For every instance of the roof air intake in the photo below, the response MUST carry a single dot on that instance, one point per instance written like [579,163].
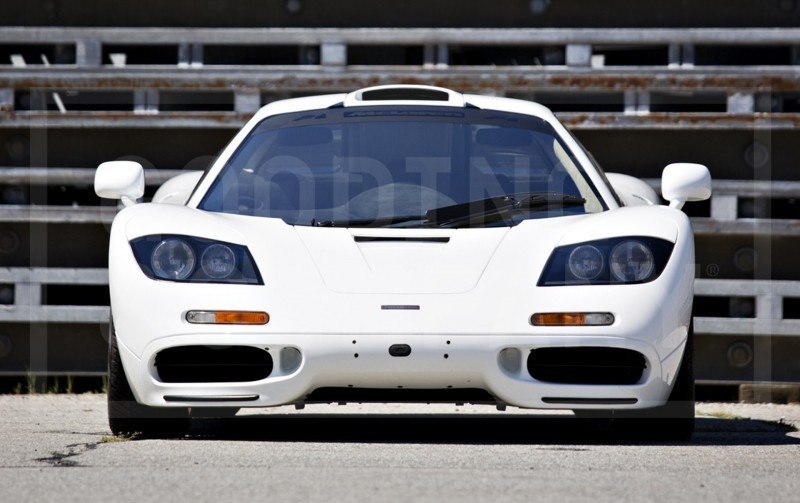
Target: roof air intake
[404,93]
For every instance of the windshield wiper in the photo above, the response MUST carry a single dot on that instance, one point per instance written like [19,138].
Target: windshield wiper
[495,208]
[485,210]
[367,222]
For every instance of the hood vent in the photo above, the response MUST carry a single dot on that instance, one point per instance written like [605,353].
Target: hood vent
[391,239]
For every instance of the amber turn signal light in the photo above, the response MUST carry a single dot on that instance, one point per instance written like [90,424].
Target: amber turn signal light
[228,317]
[571,319]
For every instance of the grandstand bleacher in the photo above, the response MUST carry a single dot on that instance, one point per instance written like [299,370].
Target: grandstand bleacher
[641,87]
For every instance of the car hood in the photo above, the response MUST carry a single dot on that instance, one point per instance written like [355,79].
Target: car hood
[400,260]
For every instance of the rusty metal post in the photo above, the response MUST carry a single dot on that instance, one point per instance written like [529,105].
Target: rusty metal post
[88,52]
[184,55]
[145,101]
[6,100]
[579,54]
[247,100]
[687,55]
[674,56]
[333,54]
[442,56]
[724,206]
[741,103]
[197,55]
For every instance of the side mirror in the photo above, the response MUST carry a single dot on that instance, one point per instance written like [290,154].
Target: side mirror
[122,180]
[683,181]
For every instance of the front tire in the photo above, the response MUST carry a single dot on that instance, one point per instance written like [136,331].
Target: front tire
[128,417]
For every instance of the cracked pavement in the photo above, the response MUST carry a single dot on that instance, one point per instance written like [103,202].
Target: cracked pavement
[58,448]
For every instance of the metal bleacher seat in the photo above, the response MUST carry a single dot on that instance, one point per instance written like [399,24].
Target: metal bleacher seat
[637,97]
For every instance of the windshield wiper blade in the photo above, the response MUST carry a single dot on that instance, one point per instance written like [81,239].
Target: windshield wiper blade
[494,208]
[367,222]
[489,209]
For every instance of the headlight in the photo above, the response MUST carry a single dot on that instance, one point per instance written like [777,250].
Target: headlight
[218,261]
[632,259]
[585,262]
[174,258]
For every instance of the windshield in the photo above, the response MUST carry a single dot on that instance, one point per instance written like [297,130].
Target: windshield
[384,166]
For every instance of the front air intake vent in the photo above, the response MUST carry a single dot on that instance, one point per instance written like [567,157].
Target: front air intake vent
[586,365]
[404,94]
[213,364]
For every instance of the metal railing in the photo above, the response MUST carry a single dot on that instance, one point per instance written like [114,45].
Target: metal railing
[578,65]
[403,36]
[235,120]
[578,43]
[769,316]
[27,294]
[677,87]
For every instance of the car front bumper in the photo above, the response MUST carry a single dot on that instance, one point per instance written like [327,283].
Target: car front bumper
[436,362]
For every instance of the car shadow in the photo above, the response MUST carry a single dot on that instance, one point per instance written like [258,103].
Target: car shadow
[476,429]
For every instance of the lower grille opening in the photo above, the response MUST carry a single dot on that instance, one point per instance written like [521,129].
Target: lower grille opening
[210,398]
[213,364]
[586,365]
[400,395]
[590,401]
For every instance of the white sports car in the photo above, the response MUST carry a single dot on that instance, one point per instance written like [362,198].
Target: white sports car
[401,244]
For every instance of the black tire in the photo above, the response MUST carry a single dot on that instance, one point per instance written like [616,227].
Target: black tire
[675,419]
[128,417]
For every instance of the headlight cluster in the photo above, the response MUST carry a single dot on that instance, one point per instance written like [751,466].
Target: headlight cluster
[607,261]
[195,260]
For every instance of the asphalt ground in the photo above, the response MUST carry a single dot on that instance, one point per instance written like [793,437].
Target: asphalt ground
[59,448]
